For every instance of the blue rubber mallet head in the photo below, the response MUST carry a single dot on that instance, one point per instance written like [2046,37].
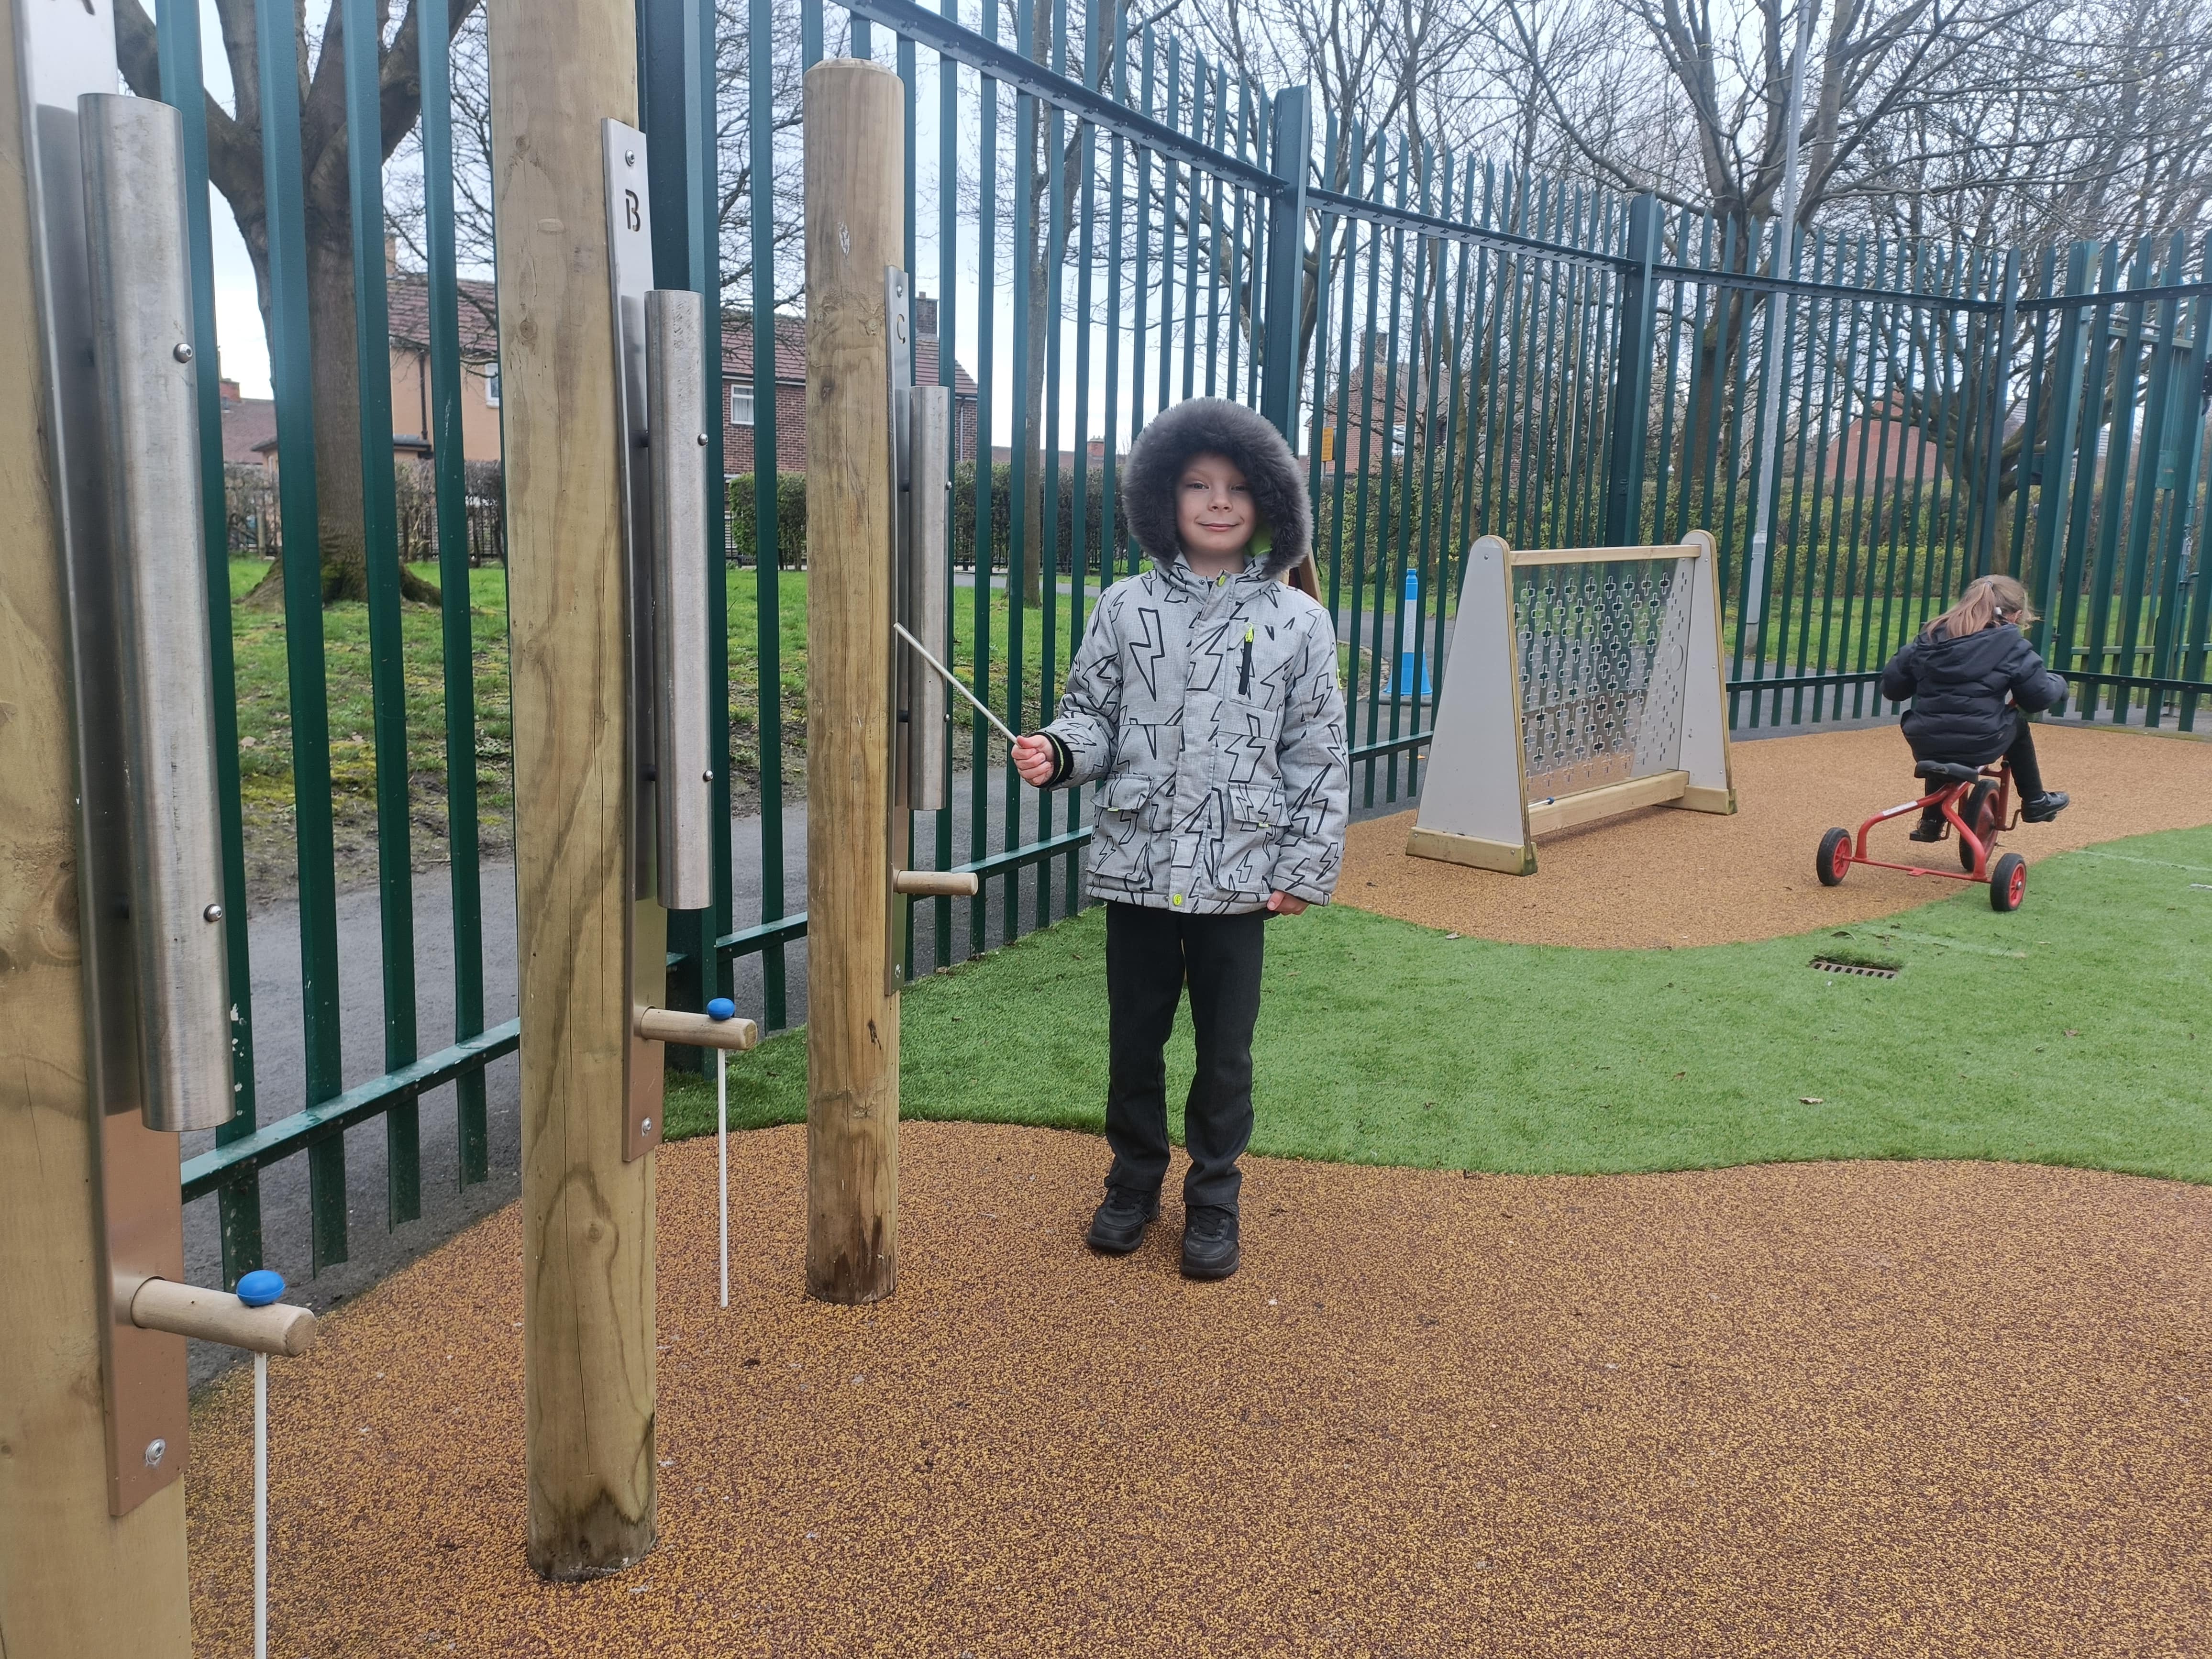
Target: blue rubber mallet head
[722,1008]
[260,1288]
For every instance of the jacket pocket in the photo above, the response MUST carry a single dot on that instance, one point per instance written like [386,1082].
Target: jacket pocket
[1125,792]
[1148,801]
[1121,839]
[1256,806]
[1246,854]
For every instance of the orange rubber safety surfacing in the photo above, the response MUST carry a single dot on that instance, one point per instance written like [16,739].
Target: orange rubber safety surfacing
[1888,1409]
[1662,876]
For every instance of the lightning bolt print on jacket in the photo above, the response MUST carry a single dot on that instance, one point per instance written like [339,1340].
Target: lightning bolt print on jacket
[1210,712]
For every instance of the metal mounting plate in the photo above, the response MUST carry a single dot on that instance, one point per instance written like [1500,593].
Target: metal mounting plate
[898,391]
[645,941]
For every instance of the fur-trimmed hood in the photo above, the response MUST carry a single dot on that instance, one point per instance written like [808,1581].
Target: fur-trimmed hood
[1215,426]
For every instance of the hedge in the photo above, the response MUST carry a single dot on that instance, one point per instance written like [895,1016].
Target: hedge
[791,518]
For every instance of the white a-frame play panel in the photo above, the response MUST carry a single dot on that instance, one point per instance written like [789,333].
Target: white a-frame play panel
[1582,682]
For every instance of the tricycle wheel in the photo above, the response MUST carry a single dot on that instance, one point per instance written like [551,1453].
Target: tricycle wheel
[1980,814]
[2008,881]
[1834,858]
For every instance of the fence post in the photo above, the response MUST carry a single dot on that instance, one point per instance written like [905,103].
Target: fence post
[676,67]
[855,221]
[1993,427]
[1289,150]
[2052,464]
[1631,376]
[558,69]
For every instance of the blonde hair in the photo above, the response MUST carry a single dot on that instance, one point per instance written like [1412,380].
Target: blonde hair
[1987,599]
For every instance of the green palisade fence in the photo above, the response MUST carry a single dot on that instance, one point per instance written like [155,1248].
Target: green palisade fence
[1108,221]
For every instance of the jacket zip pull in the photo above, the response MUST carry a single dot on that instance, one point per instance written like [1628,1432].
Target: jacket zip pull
[1244,675]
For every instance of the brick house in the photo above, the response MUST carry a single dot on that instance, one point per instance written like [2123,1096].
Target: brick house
[249,424]
[1885,445]
[1386,423]
[738,391]
[407,296]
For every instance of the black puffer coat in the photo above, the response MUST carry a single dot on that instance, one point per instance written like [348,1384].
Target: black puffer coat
[1958,687]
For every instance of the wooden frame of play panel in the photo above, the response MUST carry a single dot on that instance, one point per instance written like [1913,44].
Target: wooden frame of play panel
[1465,818]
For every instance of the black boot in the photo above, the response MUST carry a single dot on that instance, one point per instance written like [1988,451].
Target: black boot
[2044,807]
[1119,1226]
[1926,829]
[1209,1243]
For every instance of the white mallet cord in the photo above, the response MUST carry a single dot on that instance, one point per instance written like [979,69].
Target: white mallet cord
[723,1157]
[260,1506]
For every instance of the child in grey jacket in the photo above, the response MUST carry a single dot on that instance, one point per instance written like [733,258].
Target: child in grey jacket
[1204,699]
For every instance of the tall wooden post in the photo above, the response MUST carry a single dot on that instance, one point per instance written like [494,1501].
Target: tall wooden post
[855,169]
[558,69]
[75,1581]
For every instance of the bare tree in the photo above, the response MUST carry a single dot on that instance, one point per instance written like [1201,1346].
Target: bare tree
[405,204]
[235,166]
[2092,127]
[733,182]
[733,86]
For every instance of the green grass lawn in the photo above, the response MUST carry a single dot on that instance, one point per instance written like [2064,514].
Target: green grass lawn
[264,722]
[2077,1031]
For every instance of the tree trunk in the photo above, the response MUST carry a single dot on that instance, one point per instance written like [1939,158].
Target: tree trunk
[1705,429]
[336,405]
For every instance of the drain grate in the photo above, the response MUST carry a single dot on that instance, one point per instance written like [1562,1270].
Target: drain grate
[1865,970]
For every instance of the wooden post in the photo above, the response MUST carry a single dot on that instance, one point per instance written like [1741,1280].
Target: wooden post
[855,169]
[73,1580]
[558,69]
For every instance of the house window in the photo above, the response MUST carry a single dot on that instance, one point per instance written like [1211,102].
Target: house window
[491,385]
[741,406]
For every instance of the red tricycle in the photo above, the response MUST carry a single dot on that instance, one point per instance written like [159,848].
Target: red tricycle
[1975,801]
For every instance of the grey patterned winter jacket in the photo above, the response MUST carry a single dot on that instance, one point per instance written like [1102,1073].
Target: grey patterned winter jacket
[1210,710]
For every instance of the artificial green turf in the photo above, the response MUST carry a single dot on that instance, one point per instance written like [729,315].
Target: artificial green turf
[2077,1030]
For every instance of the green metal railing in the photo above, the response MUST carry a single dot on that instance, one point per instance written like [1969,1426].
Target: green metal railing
[1109,222]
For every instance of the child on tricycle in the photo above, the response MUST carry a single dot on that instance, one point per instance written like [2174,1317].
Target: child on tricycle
[1960,673]
[1973,679]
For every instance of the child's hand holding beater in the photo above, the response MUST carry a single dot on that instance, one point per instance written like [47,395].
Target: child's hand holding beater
[1034,759]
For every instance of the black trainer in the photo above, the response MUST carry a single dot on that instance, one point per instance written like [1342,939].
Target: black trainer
[1119,1226]
[1209,1243]
[1926,829]
[2045,807]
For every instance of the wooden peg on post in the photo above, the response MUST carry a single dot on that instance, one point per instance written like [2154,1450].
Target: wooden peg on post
[559,68]
[855,169]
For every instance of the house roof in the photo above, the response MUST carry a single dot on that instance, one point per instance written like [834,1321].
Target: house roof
[790,354]
[407,295]
[249,426]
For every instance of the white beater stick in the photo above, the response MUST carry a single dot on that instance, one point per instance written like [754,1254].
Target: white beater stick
[722,1156]
[260,1506]
[952,680]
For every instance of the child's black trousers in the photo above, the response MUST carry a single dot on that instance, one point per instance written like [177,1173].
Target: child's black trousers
[1150,956]
[2027,774]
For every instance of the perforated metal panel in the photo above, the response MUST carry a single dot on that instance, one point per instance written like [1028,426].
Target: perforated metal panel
[1601,650]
